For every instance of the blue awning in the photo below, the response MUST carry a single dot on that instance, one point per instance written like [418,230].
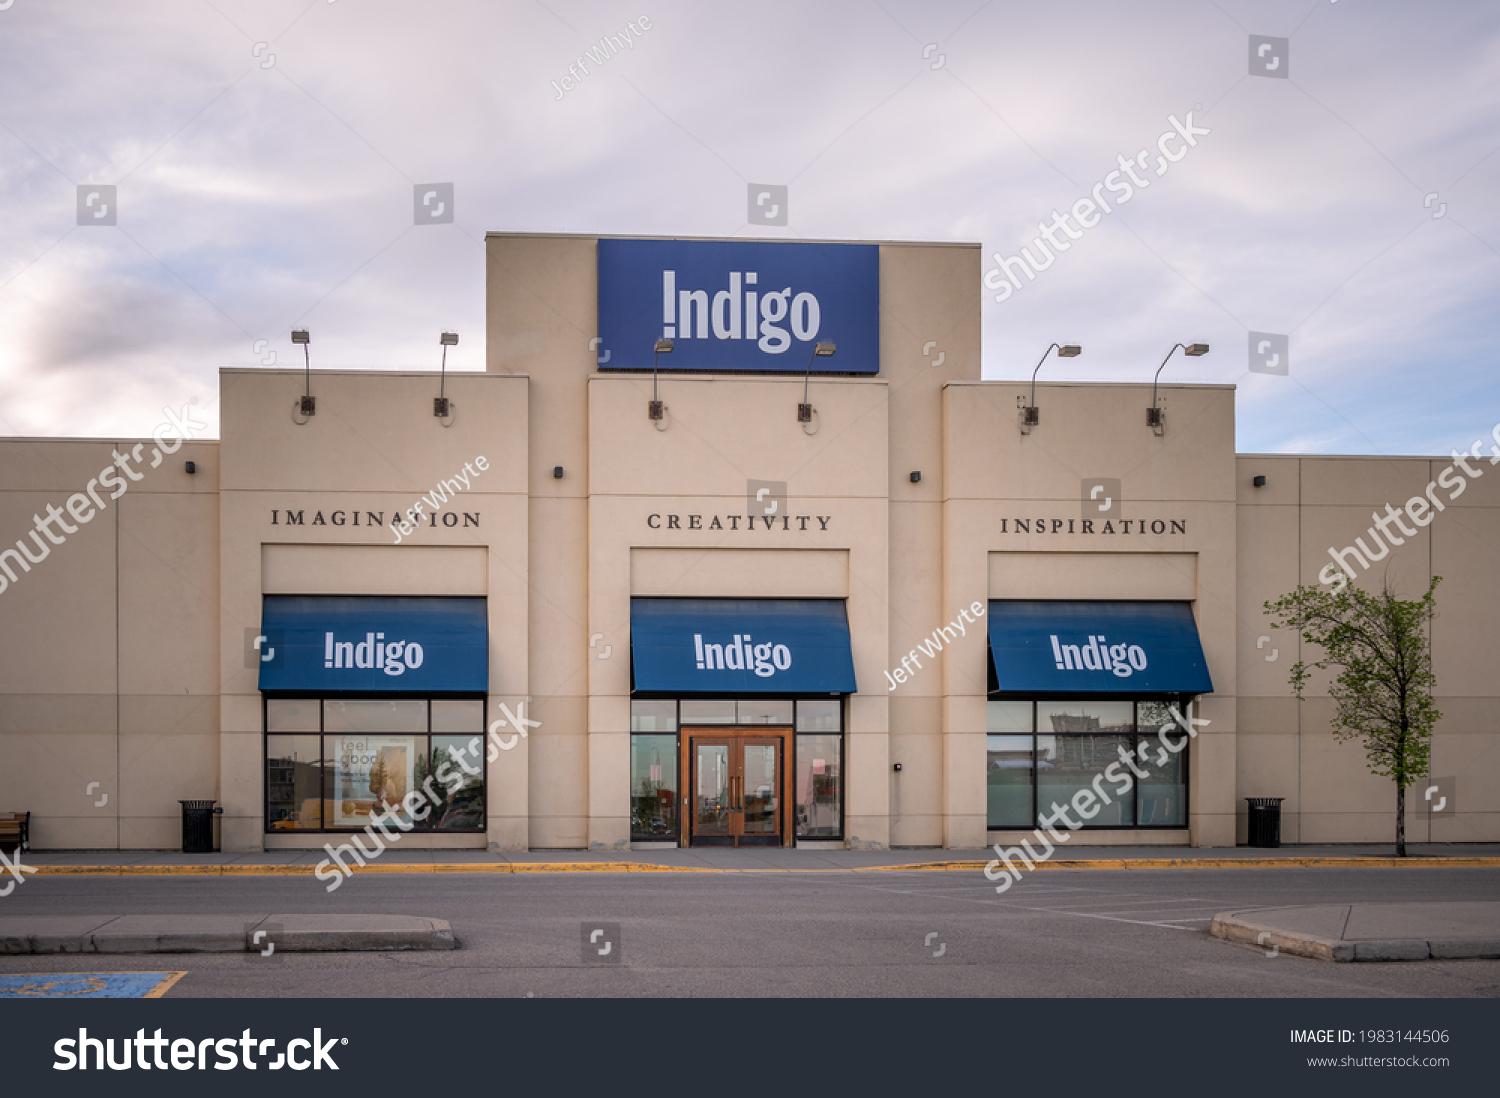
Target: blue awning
[1097,648]
[741,646]
[321,644]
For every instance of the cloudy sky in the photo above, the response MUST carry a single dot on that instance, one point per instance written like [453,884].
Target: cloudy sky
[264,155]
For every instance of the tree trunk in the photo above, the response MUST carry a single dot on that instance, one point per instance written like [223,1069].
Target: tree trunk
[1400,820]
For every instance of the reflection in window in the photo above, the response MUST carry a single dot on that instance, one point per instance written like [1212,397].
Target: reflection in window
[765,712]
[653,716]
[822,715]
[1073,765]
[457,716]
[715,711]
[375,756]
[375,715]
[1162,797]
[292,715]
[1008,716]
[1076,743]
[1008,778]
[451,777]
[820,804]
[294,782]
[653,788]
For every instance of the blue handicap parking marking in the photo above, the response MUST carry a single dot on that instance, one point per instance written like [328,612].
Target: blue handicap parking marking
[87,985]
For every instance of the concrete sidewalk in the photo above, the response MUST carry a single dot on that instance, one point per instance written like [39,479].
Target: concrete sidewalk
[395,859]
[265,935]
[1370,932]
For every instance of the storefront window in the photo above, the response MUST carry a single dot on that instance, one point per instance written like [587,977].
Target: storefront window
[653,788]
[1046,752]
[815,759]
[764,711]
[1162,798]
[375,715]
[820,786]
[1008,777]
[293,715]
[294,783]
[374,756]
[456,767]
[653,716]
[1086,738]
[457,716]
[715,711]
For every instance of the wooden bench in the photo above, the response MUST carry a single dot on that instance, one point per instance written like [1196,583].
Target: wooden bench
[15,830]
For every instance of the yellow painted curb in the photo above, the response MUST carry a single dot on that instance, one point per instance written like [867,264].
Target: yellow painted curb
[307,869]
[1216,863]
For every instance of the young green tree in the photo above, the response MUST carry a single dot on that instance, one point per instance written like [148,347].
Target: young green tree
[1382,691]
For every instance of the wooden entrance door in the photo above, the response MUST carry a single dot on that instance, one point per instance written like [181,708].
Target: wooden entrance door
[737,786]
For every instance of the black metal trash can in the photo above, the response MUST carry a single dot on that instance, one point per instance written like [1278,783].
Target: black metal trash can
[197,827]
[1265,821]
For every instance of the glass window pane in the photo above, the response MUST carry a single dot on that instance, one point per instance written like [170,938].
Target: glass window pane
[1008,780]
[375,715]
[292,715]
[369,774]
[1069,763]
[1071,717]
[1008,716]
[456,716]
[820,716]
[294,783]
[708,712]
[653,788]
[820,788]
[1151,715]
[456,767]
[1162,797]
[653,716]
[770,711]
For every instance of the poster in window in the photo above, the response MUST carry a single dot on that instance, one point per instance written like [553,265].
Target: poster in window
[374,772]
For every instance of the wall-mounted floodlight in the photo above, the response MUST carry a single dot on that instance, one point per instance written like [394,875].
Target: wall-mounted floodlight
[440,406]
[820,350]
[308,406]
[663,347]
[1155,419]
[1030,416]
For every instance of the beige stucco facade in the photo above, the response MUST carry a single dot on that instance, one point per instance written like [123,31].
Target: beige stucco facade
[124,673]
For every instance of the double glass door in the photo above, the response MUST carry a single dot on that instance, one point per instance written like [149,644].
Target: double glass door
[737,780]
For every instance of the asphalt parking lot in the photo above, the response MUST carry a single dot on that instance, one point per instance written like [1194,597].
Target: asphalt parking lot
[1060,933]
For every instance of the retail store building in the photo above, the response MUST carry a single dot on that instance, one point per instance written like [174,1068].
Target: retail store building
[907,618]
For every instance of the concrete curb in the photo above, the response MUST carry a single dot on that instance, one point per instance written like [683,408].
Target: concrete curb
[223,934]
[1234,927]
[647,867]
